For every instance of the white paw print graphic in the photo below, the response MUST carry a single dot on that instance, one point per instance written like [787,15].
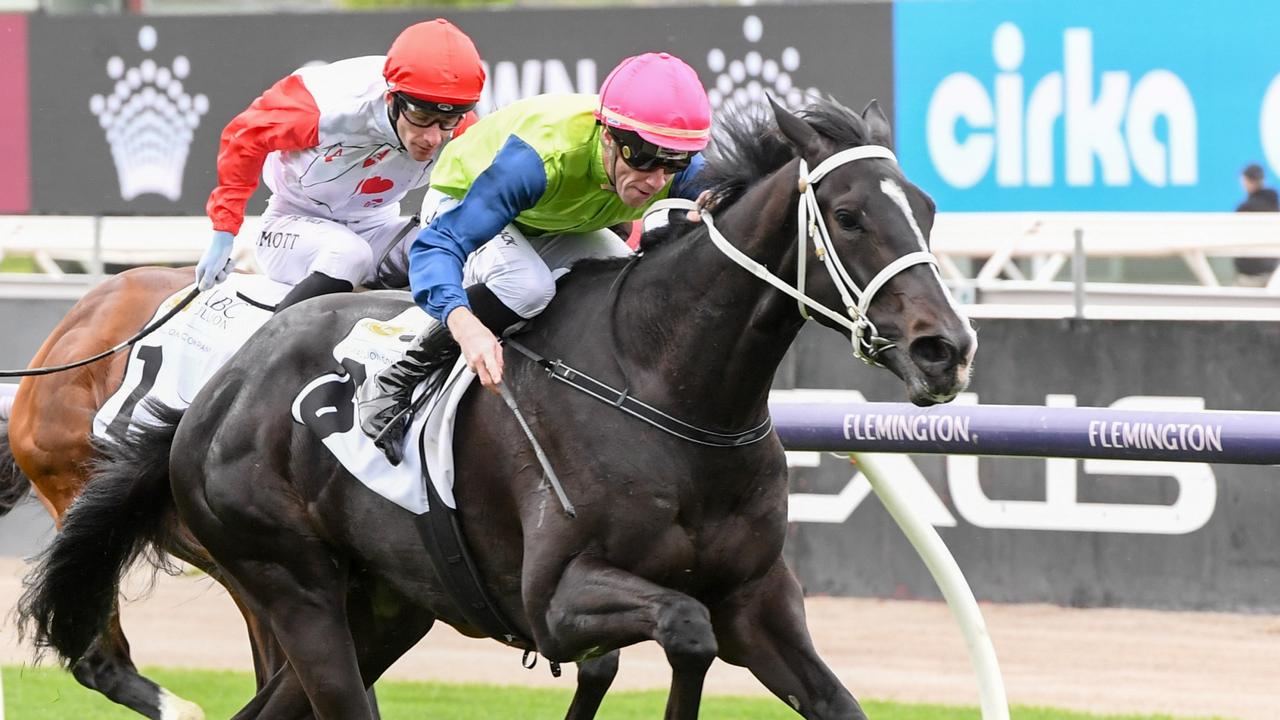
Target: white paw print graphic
[745,81]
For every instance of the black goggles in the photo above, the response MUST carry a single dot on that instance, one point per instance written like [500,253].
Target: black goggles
[640,154]
[424,113]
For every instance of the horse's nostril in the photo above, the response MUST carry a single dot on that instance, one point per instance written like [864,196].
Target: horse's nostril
[934,350]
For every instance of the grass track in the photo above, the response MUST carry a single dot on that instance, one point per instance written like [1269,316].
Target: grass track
[52,694]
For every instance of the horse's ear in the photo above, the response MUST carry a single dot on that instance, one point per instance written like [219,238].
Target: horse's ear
[881,133]
[793,128]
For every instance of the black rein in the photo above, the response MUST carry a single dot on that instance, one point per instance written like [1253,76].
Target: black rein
[28,372]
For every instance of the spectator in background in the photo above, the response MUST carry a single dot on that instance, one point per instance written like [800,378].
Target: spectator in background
[1255,271]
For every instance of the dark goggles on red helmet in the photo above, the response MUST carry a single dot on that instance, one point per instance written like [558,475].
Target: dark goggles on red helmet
[640,154]
[425,113]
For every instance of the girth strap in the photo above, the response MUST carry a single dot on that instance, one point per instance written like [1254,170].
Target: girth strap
[442,535]
[622,400]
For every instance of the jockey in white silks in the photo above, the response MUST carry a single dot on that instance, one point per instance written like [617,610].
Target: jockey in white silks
[340,145]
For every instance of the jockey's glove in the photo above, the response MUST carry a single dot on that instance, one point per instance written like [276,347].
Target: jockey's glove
[216,264]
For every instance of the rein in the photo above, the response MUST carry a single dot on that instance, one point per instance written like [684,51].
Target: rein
[183,303]
[622,400]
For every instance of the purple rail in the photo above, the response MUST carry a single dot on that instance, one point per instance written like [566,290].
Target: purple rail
[1250,438]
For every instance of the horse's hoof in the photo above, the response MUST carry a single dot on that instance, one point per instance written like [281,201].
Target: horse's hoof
[173,707]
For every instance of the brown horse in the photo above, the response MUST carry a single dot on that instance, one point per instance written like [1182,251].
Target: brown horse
[45,445]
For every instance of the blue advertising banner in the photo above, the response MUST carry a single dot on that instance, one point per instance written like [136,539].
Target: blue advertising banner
[1092,105]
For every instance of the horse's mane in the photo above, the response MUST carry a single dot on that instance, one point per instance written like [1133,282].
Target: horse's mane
[746,147]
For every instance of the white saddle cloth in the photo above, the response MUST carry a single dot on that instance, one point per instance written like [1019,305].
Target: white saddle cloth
[174,362]
[375,344]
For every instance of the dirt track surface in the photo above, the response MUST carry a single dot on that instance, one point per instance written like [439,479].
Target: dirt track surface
[1097,660]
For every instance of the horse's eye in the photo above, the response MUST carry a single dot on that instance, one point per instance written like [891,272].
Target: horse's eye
[847,220]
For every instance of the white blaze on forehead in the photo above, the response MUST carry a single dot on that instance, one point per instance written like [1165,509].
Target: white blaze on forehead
[899,198]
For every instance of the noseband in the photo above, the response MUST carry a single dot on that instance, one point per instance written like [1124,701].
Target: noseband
[865,338]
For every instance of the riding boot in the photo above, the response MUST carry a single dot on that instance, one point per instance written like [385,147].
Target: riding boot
[384,400]
[313,285]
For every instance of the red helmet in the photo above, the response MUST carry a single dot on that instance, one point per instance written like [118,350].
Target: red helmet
[660,98]
[435,62]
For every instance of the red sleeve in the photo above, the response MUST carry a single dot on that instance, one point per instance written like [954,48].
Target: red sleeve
[467,121]
[285,117]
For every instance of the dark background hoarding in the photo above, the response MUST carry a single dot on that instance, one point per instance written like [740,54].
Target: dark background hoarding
[99,75]
[1126,539]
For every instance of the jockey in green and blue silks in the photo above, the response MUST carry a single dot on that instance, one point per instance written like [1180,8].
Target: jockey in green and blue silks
[528,190]
[538,166]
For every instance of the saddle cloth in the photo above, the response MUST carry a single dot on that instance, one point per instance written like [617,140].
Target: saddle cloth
[327,405]
[174,362]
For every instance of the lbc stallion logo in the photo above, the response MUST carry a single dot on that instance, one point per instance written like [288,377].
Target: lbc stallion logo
[149,121]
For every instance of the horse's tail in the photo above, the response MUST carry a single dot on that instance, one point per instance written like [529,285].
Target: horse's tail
[14,484]
[122,511]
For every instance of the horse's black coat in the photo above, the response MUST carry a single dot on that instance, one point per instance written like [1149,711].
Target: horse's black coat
[673,542]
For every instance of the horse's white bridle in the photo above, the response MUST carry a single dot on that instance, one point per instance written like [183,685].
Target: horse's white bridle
[866,340]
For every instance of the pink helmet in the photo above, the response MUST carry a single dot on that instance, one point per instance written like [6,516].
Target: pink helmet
[659,97]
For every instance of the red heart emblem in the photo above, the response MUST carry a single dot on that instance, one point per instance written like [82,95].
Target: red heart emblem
[376,185]
[374,159]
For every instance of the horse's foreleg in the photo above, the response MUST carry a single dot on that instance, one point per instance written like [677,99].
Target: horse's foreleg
[594,678]
[762,627]
[597,606]
[107,668]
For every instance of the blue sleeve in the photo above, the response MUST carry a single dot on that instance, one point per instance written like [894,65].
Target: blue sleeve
[686,183]
[512,183]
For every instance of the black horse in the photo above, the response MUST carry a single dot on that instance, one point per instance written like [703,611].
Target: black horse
[673,541]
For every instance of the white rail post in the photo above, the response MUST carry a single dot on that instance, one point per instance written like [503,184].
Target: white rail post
[955,589]
[96,265]
[1078,265]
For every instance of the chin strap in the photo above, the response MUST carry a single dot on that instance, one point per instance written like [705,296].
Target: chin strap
[866,340]
[610,159]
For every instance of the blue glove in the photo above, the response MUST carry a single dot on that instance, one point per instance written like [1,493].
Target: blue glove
[216,263]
